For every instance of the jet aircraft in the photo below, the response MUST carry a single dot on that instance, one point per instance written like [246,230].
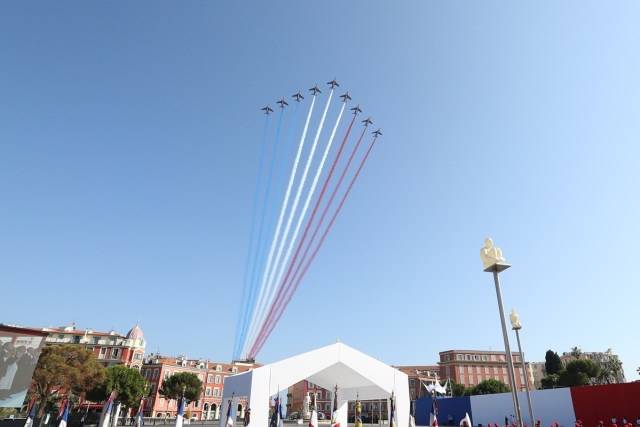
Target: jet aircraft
[298,96]
[377,133]
[282,103]
[367,121]
[333,83]
[345,97]
[267,110]
[356,109]
[315,90]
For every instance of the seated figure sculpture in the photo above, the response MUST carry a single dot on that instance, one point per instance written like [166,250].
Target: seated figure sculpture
[490,255]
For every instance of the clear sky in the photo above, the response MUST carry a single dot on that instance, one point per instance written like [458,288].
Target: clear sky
[129,143]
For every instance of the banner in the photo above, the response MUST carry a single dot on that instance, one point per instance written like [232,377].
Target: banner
[19,352]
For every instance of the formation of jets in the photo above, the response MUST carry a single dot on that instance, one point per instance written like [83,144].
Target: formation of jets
[314,91]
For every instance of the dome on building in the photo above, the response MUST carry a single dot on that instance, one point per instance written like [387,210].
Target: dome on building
[135,333]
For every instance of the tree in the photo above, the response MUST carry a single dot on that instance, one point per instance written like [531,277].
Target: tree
[457,389]
[489,386]
[552,362]
[65,367]
[550,381]
[609,371]
[579,372]
[576,353]
[182,383]
[128,383]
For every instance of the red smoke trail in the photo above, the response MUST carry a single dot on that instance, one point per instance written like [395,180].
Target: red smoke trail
[258,346]
[282,289]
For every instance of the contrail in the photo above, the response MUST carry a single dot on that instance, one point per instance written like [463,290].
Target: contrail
[269,282]
[313,255]
[308,199]
[245,291]
[262,220]
[284,287]
[280,219]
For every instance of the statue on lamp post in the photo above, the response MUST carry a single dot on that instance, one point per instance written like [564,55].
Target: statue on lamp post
[490,254]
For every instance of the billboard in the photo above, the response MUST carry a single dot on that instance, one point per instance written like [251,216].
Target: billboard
[19,352]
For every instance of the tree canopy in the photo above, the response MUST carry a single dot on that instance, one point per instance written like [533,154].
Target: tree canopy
[67,366]
[182,382]
[552,362]
[128,383]
[579,372]
[489,386]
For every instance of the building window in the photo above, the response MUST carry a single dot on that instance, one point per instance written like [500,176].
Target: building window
[327,406]
[137,356]
[412,394]
[319,395]
[103,352]
[476,357]
[216,392]
[218,368]
[447,371]
[146,373]
[207,391]
[478,368]
[328,395]
[459,357]
[114,353]
[96,340]
[502,357]
[486,370]
[517,358]
[447,357]
[196,403]
[156,372]
[234,369]
[217,380]
[412,382]
[485,358]
[167,374]
[309,385]
[209,378]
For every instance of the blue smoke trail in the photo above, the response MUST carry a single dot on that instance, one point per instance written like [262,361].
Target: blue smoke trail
[245,289]
[252,287]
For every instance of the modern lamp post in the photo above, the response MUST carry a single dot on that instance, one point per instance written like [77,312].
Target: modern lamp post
[493,262]
[516,325]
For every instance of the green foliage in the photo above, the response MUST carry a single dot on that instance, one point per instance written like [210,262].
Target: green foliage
[550,381]
[128,383]
[457,389]
[67,366]
[489,386]
[552,362]
[579,372]
[182,382]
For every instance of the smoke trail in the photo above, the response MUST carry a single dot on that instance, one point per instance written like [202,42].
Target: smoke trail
[245,290]
[307,201]
[265,205]
[258,347]
[269,282]
[280,219]
[284,288]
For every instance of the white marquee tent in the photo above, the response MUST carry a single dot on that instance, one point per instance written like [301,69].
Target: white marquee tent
[353,372]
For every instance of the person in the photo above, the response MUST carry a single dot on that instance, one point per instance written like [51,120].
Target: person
[614,420]
[638,422]
[305,404]
[624,420]
[490,255]
[450,418]
[506,421]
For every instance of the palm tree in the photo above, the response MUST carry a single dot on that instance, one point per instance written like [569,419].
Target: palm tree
[576,353]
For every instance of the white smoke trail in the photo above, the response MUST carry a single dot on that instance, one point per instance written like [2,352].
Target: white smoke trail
[260,306]
[269,281]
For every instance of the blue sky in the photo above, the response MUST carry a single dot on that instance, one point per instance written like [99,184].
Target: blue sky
[129,144]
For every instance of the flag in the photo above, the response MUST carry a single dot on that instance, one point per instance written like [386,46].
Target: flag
[334,412]
[313,421]
[230,415]
[439,388]
[105,418]
[140,414]
[358,413]
[274,417]
[280,417]
[65,414]
[466,420]
[247,417]
[31,411]
[434,412]
[392,415]
[180,416]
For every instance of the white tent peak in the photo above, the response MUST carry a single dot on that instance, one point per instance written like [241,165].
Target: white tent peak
[355,373]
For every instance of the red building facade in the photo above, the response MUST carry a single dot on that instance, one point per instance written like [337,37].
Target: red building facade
[470,367]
